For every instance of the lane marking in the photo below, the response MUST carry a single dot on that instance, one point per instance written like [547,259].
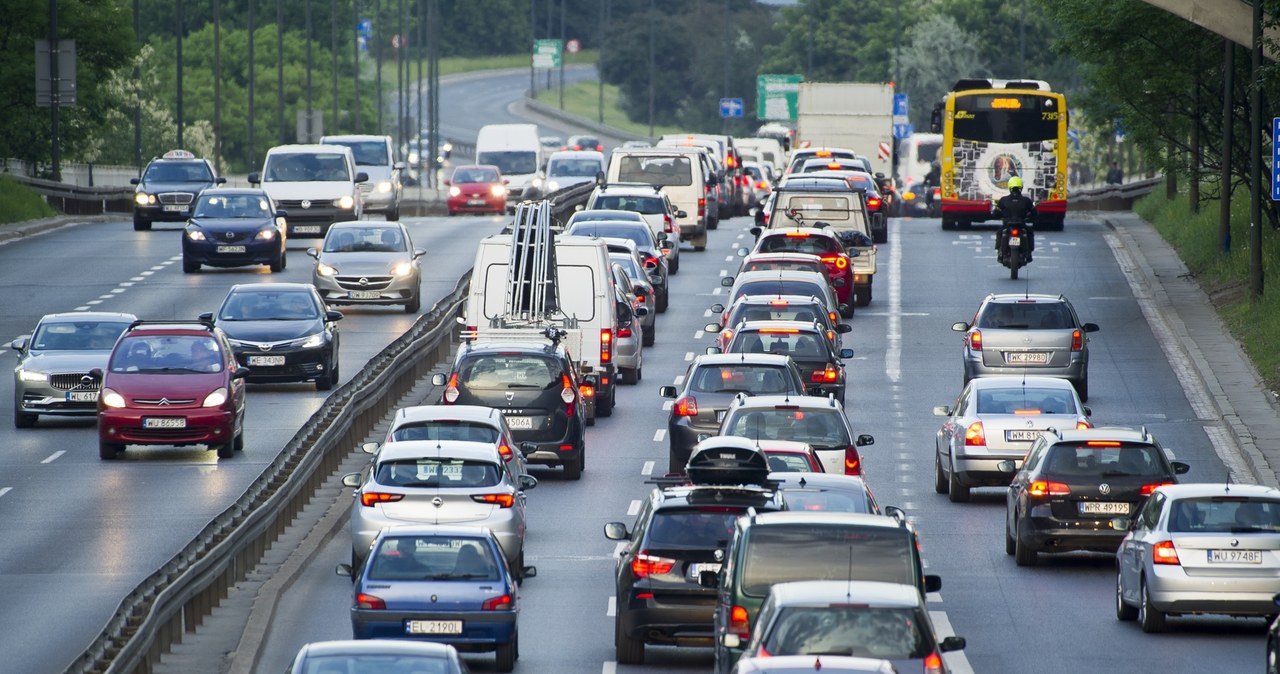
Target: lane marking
[116,291]
[127,284]
[156,268]
[717,291]
[679,380]
[934,597]
[688,356]
[82,307]
[5,490]
[54,456]
[610,667]
[105,297]
[893,338]
[93,302]
[724,272]
[634,508]
[728,258]
[658,436]
[667,405]
[612,608]
[146,273]
[136,279]
[617,549]
[706,314]
[647,469]
[698,334]
[957,662]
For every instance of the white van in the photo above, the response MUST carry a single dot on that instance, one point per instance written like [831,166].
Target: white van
[770,150]
[680,173]
[317,185]
[585,297]
[374,155]
[517,151]
[915,157]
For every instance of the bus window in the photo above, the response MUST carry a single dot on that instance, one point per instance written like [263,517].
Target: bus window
[1005,118]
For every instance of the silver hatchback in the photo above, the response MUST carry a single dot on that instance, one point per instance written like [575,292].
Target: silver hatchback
[1027,334]
[368,262]
[55,362]
[439,482]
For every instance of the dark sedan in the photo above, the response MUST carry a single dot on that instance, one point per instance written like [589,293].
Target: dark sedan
[282,332]
[234,228]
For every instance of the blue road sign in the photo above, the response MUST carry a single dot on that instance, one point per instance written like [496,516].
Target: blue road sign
[900,104]
[731,107]
[902,130]
[365,28]
[1275,160]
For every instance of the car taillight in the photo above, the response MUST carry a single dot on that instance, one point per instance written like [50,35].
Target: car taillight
[873,202]
[500,500]
[840,261]
[975,340]
[932,664]
[1077,340]
[852,462]
[762,185]
[505,450]
[369,499]
[702,207]
[974,436]
[1148,488]
[832,315]
[739,622]
[828,375]
[651,260]
[451,391]
[1081,425]
[670,225]
[606,345]
[685,407]
[645,565]
[624,331]
[1013,232]
[499,603]
[370,602]
[566,390]
[1163,553]
[1047,488]
[726,337]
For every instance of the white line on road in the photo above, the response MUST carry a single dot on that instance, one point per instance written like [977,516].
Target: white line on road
[717,291]
[659,435]
[617,549]
[612,609]
[724,272]
[82,307]
[893,338]
[92,302]
[688,356]
[706,314]
[105,297]
[156,268]
[54,456]
[956,660]
[934,597]
[126,284]
[668,404]
[647,469]
[740,236]
[908,505]
[117,291]
[728,258]
[610,667]
[138,278]
[679,380]
[634,508]
[5,490]
[699,334]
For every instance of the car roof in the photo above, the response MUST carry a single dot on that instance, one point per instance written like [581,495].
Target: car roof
[625,216]
[377,647]
[638,189]
[276,286]
[577,154]
[78,316]
[445,412]
[797,257]
[802,326]
[818,481]
[1120,433]
[1205,489]
[324,140]
[628,245]
[824,517]
[539,348]
[452,449]
[1018,381]
[311,147]
[742,359]
[827,592]
[789,446]
[1023,297]
[769,299]
[780,275]
[765,401]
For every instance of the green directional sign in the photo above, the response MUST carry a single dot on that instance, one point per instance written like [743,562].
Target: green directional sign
[776,96]
[547,53]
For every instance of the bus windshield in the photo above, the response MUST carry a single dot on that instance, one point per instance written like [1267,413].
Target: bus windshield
[1006,118]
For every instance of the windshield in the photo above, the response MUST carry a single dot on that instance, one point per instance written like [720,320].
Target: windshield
[1026,315]
[647,205]
[511,162]
[831,552]
[178,172]
[258,305]
[366,152]
[740,377]
[434,472]
[306,167]
[474,174]
[1006,117]
[575,168]
[166,354]
[444,429]
[1067,461]
[927,151]
[656,170]
[364,240]
[504,372]
[1025,401]
[822,428]
[803,498]
[232,206]
[436,558]
[860,631]
[78,336]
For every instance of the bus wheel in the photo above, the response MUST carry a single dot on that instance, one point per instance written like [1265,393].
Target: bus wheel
[948,224]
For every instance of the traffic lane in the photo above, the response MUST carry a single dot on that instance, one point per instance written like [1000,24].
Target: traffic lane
[470,103]
[989,600]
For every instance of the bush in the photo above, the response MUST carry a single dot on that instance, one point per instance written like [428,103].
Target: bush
[19,202]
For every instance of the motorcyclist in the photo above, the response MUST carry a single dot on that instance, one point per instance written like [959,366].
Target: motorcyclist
[1014,208]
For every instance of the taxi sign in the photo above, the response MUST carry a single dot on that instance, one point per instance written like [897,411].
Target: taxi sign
[178,154]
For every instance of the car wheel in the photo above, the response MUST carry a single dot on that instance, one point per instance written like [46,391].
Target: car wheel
[863,294]
[109,450]
[627,651]
[393,215]
[1151,618]
[628,376]
[1124,611]
[1082,389]
[939,479]
[141,224]
[948,224]
[23,419]
[847,311]
[674,268]
[226,450]
[881,235]
[1010,545]
[700,242]
[238,444]
[664,300]
[356,563]
[277,265]
[573,469]
[1273,657]
[650,336]
[957,492]
[190,267]
[506,655]
[604,405]
[1023,553]
[713,223]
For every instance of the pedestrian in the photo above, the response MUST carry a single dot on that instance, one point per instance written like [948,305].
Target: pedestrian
[1115,176]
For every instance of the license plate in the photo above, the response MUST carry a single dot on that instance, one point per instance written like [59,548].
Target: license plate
[174,208]
[82,396]
[696,569]
[1235,556]
[305,229]
[433,627]
[1103,508]
[520,423]
[230,249]
[1022,435]
[266,360]
[475,202]
[1015,241]
[1027,357]
[364,294]
[164,422]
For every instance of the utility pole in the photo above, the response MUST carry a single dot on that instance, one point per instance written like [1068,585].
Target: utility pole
[217,86]
[178,111]
[1255,159]
[310,129]
[280,71]
[377,56]
[137,94]
[653,16]
[1022,42]
[355,64]
[253,10]
[422,56]
[604,32]
[551,5]
[724,121]
[1228,125]
[333,70]
[402,76]
[54,86]
[533,37]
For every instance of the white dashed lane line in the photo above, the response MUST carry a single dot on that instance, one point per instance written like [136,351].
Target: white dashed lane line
[724,272]
[659,435]
[688,356]
[5,490]
[612,608]
[667,405]
[647,469]
[610,667]
[680,380]
[957,662]
[634,508]
[54,456]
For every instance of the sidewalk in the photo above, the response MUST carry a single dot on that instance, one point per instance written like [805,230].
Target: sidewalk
[17,230]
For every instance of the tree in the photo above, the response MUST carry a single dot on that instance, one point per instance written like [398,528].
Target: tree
[938,52]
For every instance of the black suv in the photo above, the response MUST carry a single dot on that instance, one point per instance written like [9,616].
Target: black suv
[535,387]
[169,186]
[1074,483]
[679,535]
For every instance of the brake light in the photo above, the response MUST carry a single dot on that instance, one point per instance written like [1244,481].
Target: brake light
[726,337]
[370,602]
[840,261]
[1013,232]
[645,565]
[587,391]
[873,202]
[1077,340]
[762,185]
[1102,443]
[669,224]
[624,332]
[932,664]
[826,376]
[651,260]
[852,462]
[1047,488]
[797,235]
[500,500]
[500,603]
[778,303]
[451,391]
[1163,553]
[702,207]
[369,499]
[1148,488]
[974,436]
[685,407]
[606,345]
[1081,425]
[832,316]
[822,153]
[505,450]
[779,331]
[739,622]
[975,340]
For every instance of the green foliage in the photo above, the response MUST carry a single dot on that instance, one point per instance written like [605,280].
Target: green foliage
[937,48]
[583,99]
[18,202]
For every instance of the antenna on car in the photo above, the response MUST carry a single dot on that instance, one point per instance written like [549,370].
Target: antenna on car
[848,587]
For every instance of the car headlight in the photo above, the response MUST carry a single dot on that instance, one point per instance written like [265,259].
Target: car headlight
[326,270]
[144,199]
[413,157]
[454,191]
[195,235]
[268,234]
[110,398]
[345,202]
[498,191]
[32,375]
[552,186]
[216,398]
[402,269]
[314,341]
[384,186]
[536,182]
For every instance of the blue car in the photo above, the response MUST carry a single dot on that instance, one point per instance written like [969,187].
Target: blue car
[448,584]
[234,227]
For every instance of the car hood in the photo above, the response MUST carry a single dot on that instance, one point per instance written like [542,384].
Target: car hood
[231,224]
[65,361]
[193,188]
[315,190]
[270,331]
[477,187]
[183,386]
[363,263]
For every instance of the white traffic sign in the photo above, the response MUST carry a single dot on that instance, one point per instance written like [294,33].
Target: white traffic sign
[882,151]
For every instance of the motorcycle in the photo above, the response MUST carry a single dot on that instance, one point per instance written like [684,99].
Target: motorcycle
[1015,252]
[888,193]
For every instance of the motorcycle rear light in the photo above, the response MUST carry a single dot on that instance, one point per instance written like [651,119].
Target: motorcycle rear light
[369,601]
[499,603]
[645,565]
[1013,232]
[975,340]
[1048,488]
[1164,553]
[739,622]
[500,500]
[1077,340]
[369,499]
[685,407]
[852,461]
[974,435]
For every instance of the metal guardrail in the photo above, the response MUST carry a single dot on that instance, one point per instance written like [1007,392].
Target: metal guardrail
[1112,197]
[77,200]
[177,597]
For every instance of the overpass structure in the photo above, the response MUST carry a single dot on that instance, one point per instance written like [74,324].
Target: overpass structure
[1232,19]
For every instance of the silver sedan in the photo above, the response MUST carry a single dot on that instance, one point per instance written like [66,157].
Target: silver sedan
[53,375]
[1199,548]
[439,482]
[366,262]
[996,419]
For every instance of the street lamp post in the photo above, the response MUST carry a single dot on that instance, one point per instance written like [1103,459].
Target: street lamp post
[217,87]
[250,151]
[652,19]
[310,130]
[280,71]
[178,107]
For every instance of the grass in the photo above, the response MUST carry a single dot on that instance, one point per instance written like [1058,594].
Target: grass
[1225,276]
[583,99]
[465,64]
[18,202]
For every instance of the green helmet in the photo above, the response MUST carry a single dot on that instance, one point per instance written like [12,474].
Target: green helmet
[1015,183]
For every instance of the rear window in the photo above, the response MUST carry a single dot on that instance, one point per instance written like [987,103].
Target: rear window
[788,462]
[859,631]
[1026,315]
[812,245]
[787,265]
[622,202]
[753,379]
[1070,460]
[366,152]
[668,170]
[799,498]
[436,472]
[466,431]
[789,312]
[799,345]
[637,232]
[821,428]
[577,168]
[780,287]
[701,529]
[513,371]
[1025,401]
[433,558]
[831,552]
[812,207]
[1224,514]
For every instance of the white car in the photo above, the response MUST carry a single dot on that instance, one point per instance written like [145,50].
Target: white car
[374,155]
[469,423]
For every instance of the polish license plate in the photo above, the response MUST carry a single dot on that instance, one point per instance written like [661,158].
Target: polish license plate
[1022,435]
[364,294]
[696,569]
[82,396]
[174,208]
[475,202]
[1103,508]
[266,361]
[433,627]
[305,229]
[520,423]
[164,422]
[1027,357]
[1015,241]
[230,249]
[1235,556]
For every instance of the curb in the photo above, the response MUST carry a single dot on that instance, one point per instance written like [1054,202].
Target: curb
[23,229]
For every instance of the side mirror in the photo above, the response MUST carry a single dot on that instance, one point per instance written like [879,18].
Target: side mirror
[18,344]
[730,641]
[846,353]
[240,373]
[220,180]
[343,570]
[1121,523]
[713,350]
[1087,411]
[135,181]
[844,328]
[711,328]
[600,178]
[942,411]
[718,308]
[744,251]
[362,177]
[1007,466]
[1180,468]
[727,281]
[667,392]
[332,315]
[206,317]
[253,178]
[662,236]
[932,583]
[682,214]
[842,308]
[351,480]
[951,643]
[418,252]
[896,513]
[528,482]
[1091,327]
[616,531]
[865,439]
[527,448]
[960,327]
[527,572]
[369,447]
[314,252]
[438,379]
[755,230]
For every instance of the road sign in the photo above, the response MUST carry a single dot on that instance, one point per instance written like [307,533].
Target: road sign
[65,78]
[364,28]
[573,46]
[901,131]
[546,53]
[1275,160]
[396,41]
[776,96]
[731,107]
[900,108]
[882,150]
